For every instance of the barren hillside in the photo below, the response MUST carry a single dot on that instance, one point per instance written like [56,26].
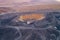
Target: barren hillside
[37,7]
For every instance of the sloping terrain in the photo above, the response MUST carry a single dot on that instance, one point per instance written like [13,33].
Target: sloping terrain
[38,7]
[45,29]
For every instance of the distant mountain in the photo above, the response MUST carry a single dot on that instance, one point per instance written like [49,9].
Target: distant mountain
[6,9]
[38,7]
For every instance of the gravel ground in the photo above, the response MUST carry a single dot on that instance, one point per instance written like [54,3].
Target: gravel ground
[46,29]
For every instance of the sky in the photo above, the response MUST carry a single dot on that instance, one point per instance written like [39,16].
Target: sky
[27,1]
[20,1]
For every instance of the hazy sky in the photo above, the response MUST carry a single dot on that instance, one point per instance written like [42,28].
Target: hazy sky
[20,1]
[16,2]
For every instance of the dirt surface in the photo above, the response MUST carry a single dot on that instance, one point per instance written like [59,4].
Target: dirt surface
[37,7]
